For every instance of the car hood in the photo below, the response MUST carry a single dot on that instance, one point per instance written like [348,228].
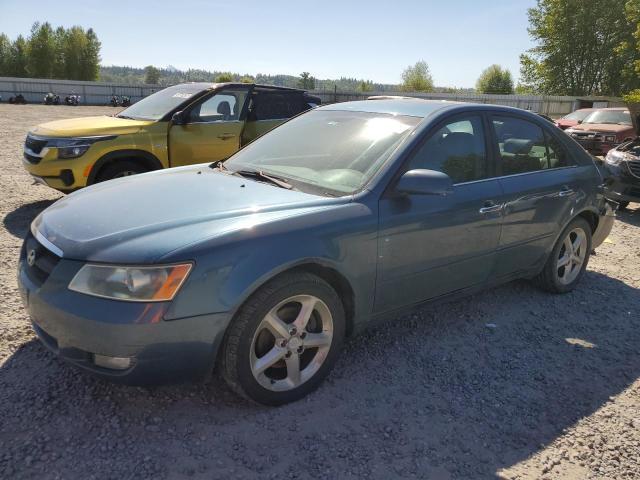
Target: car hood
[88,126]
[601,127]
[139,219]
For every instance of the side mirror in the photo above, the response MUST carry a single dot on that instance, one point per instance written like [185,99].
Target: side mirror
[425,182]
[579,122]
[179,118]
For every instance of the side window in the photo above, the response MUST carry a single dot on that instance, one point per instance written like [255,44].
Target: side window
[222,107]
[274,106]
[457,149]
[523,147]
[558,156]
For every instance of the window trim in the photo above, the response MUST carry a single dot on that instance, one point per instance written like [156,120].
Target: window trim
[426,136]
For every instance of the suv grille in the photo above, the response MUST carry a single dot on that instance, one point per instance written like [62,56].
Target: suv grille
[634,167]
[34,144]
[45,260]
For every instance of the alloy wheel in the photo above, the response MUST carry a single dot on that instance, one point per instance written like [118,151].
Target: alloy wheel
[572,255]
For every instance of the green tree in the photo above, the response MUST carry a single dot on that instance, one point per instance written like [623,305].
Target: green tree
[5,55]
[224,77]
[417,78]
[17,65]
[59,67]
[584,47]
[306,81]
[247,79]
[365,86]
[74,48]
[41,51]
[495,79]
[151,75]
[90,59]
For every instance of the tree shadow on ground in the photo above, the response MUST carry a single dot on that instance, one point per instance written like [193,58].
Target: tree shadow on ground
[458,390]
[17,222]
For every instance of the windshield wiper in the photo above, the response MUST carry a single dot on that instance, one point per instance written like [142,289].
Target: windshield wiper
[263,176]
[125,116]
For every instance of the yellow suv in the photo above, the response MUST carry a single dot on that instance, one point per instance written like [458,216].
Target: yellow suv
[180,125]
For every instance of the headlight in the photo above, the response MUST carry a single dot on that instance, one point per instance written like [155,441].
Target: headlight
[614,157]
[133,284]
[610,138]
[75,147]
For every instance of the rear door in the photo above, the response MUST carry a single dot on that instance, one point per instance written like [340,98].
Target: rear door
[213,129]
[431,245]
[540,183]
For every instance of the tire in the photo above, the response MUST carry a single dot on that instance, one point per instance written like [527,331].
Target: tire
[623,205]
[555,278]
[251,342]
[121,168]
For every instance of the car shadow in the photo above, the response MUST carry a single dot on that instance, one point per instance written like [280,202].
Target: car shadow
[457,390]
[630,215]
[17,222]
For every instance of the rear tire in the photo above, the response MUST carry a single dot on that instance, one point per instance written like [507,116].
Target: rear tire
[284,340]
[121,168]
[568,259]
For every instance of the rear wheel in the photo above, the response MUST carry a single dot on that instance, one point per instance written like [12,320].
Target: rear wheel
[121,168]
[284,340]
[568,260]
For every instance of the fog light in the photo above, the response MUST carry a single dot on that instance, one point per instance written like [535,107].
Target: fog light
[114,363]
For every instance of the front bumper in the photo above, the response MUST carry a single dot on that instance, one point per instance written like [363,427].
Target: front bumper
[77,327]
[64,175]
[605,225]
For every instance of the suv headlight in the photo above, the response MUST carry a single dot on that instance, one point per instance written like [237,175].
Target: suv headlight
[134,284]
[75,147]
[614,157]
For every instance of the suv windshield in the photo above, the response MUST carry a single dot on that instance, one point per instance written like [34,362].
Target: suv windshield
[621,117]
[337,151]
[157,105]
[578,115]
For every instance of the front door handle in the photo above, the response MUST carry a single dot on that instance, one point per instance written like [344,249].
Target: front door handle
[565,192]
[226,136]
[491,206]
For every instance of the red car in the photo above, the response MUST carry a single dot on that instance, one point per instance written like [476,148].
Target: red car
[604,129]
[574,118]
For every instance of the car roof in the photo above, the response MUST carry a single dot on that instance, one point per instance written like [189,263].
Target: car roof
[211,86]
[415,107]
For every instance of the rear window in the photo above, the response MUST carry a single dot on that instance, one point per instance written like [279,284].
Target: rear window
[276,106]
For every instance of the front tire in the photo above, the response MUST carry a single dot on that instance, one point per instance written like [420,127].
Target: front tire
[121,168]
[568,259]
[284,340]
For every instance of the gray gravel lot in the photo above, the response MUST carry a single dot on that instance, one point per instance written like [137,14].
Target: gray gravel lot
[550,390]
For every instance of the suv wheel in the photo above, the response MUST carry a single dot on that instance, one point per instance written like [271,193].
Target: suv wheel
[284,340]
[121,168]
[568,260]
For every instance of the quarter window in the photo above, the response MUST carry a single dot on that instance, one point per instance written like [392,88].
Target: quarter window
[457,149]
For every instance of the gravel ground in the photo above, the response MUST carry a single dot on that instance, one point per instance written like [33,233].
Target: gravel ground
[510,383]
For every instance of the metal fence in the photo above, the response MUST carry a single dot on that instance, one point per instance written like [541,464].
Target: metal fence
[100,93]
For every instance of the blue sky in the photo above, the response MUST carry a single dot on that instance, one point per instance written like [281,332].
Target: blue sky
[329,38]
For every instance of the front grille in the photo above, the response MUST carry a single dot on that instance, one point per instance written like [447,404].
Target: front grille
[44,261]
[634,167]
[586,136]
[35,144]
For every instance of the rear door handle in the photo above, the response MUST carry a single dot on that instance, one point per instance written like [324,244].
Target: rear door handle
[491,206]
[226,136]
[565,192]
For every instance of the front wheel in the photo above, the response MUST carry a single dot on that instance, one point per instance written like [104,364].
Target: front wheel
[568,260]
[121,168]
[284,340]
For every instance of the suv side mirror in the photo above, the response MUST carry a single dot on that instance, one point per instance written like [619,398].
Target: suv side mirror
[579,122]
[425,182]
[179,118]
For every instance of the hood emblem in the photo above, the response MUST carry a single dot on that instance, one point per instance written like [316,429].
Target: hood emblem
[31,257]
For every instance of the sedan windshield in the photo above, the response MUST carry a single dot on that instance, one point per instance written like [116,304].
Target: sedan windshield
[615,117]
[157,105]
[336,151]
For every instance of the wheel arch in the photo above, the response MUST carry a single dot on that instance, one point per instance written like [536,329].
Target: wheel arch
[148,159]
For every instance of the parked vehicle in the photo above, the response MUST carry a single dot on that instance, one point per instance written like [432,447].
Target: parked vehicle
[18,100]
[51,99]
[604,129]
[115,101]
[180,125]
[72,99]
[574,118]
[623,169]
[126,101]
[345,215]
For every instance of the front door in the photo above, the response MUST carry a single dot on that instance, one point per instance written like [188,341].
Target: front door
[432,245]
[212,131]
